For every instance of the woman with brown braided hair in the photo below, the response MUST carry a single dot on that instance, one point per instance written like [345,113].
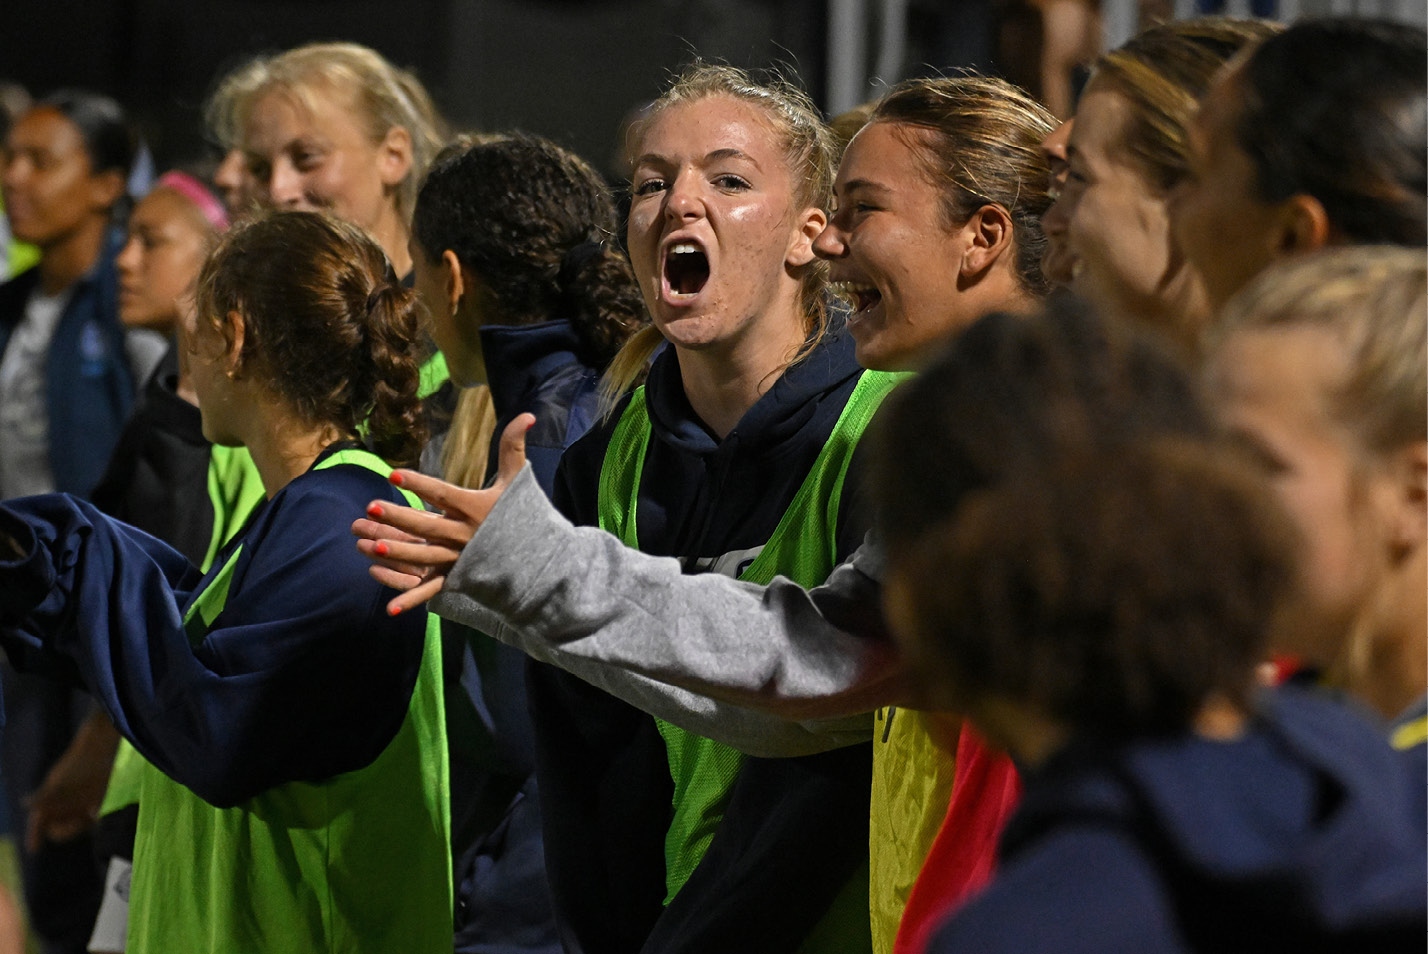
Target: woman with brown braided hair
[296,799]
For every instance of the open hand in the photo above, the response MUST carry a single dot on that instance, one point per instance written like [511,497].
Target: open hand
[412,550]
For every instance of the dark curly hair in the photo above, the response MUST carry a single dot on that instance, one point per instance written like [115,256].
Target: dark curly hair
[327,328]
[536,223]
[1117,590]
[1010,390]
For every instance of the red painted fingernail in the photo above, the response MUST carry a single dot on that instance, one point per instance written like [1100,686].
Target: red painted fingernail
[396,478]
[393,610]
[375,510]
[530,425]
[381,548]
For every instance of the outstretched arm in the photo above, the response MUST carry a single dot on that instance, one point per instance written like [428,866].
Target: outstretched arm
[505,562]
[302,676]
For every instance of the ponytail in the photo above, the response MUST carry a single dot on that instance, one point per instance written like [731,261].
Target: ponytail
[327,329]
[395,428]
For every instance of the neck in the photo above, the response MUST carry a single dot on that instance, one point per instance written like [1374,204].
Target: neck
[282,448]
[390,232]
[1390,669]
[183,387]
[68,258]
[722,383]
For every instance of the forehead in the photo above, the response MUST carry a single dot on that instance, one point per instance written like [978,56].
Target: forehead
[1219,110]
[1285,371]
[282,114]
[49,130]
[162,206]
[709,124]
[886,155]
[1101,118]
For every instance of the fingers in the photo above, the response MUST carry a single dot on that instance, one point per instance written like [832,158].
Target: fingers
[513,449]
[412,526]
[420,559]
[396,579]
[434,491]
[375,529]
[416,596]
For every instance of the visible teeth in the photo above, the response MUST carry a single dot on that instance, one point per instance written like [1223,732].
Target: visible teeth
[855,288]
[684,248]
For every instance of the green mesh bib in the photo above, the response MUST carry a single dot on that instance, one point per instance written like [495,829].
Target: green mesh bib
[359,863]
[803,547]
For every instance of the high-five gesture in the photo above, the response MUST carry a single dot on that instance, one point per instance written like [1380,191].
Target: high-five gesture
[412,550]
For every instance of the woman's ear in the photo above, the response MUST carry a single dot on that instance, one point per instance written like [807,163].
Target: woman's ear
[1407,472]
[394,156]
[105,188]
[453,280]
[234,328]
[810,225]
[1303,225]
[989,235]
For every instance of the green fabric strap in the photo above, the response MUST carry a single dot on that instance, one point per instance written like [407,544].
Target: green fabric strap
[357,863]
[803,547]
[432,375]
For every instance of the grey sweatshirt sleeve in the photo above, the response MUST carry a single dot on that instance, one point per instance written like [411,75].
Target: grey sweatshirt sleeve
[675,645]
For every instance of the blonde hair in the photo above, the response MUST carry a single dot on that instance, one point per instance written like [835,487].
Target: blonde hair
[1373,300]
[811,153]
[466,447]
[1164,72]
[383,95]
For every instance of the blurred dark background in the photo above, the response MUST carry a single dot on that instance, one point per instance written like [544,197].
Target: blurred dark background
[567,69]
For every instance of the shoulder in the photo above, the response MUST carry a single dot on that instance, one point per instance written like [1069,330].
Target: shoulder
[1081,887]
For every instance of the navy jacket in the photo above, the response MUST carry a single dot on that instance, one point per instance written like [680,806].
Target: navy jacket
[1304,835]
[502,896]
[795,830]
[302,676]
[89,384]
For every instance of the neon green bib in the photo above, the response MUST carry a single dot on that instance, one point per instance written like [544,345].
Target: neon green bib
[803,547]
[358,864]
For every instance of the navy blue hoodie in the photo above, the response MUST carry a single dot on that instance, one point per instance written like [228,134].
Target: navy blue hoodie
[502,898]
[1302,835]
[795,830]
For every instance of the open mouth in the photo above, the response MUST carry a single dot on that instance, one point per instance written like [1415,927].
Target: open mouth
[862,296]
[686,269]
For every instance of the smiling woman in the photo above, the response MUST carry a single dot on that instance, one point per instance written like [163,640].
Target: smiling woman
[333,126]
[1128,149]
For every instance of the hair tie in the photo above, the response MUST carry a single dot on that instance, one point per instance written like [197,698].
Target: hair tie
[573,262]
[199,194]
[375,296]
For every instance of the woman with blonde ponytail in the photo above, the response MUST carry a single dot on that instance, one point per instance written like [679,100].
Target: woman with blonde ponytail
[296,793]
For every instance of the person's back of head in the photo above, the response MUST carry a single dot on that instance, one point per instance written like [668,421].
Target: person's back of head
[536,225]
[326,326]
[1337,109]
[1008,392]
